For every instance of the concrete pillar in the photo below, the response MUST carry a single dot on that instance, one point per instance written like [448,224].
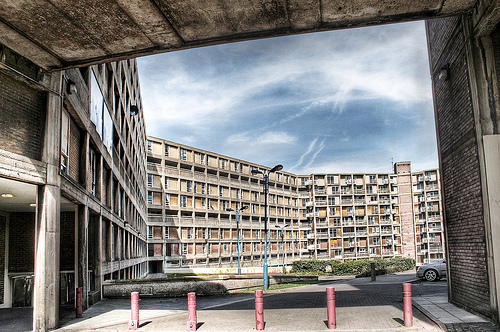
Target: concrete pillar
[83,221]
[47,232]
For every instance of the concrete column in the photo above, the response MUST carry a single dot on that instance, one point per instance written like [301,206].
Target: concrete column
[83,221]
[47,232]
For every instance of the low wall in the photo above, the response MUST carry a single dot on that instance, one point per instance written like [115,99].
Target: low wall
[201,285]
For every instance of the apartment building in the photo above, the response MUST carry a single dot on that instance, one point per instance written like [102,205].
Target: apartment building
[321,216]
[356,216]
[72,174]
[189,225]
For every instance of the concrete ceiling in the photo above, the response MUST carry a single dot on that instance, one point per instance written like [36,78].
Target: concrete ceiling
[57,34]
[23,197]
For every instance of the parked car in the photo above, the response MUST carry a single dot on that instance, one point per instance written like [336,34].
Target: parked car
[432,272]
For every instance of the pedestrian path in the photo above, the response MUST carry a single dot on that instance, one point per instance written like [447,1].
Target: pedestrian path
[362,305]
[449,316]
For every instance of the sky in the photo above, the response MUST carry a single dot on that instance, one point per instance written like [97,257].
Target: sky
[344,101]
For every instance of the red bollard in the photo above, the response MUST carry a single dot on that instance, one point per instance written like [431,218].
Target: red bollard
[192,321]
[79,302]
[330,305]
[134,309]
[407,306]
[259,310]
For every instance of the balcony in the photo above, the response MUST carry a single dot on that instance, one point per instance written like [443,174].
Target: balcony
[322,236]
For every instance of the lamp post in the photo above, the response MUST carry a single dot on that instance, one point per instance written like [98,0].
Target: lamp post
[238,232]
[283,243]
[266,190]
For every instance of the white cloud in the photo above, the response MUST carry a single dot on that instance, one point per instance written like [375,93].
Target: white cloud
[256,100]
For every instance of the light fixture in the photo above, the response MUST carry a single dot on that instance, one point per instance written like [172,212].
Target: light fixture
[276,168]
[7,195]
[33,204]
[134,110]
[72,87]
[444,72]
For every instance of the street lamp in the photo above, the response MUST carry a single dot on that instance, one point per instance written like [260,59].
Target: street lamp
[238,232]
[266,191]
[283,242]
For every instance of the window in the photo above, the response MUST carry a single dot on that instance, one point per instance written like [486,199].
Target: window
[203,203]
[373,179]
[166,183]
[221,191]
[279,177]
[167,200]
[183,154]
[93,170]
[189,233]
[202,185]
[185,250]
[150,147]
[167,151]
[335,190]
[226,248]
[150,197]
[167,233]
[202,159]
[237,193]
[254,246]
[223,163]
[150,180]
[64,142]
[189,186]
[236,167]
[183,201]
[254,208]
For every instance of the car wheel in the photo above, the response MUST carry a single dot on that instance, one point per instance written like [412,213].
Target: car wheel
[431,275]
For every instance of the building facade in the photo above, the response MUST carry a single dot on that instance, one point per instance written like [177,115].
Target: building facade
[72,174]
[321,216]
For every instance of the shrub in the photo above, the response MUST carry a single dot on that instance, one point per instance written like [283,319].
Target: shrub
[361,268]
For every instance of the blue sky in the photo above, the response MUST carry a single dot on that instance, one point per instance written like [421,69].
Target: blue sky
[331,102]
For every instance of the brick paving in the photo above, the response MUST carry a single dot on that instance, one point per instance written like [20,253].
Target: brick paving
[362,305]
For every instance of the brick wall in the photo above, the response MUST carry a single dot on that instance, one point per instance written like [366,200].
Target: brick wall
[22,242]
[22,120]
[462,190]
[67,244]
[2,257]
[74,152]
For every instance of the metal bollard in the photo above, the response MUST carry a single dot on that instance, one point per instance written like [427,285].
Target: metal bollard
[259,311]
[407,305]
[192,321]
[79,302]
[330,305]
[134,309]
